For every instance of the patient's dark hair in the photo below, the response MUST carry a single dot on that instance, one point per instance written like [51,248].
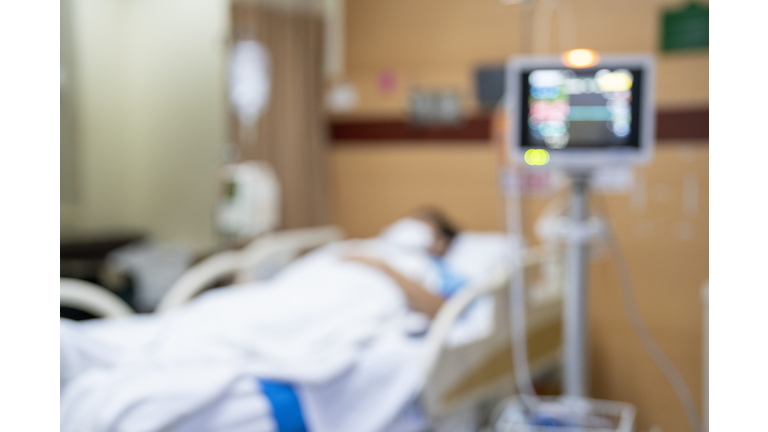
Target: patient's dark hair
[446,227]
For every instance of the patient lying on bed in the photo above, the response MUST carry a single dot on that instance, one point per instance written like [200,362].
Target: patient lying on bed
[336,323]
[428,231]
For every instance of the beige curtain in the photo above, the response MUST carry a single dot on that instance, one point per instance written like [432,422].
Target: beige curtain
[291,134]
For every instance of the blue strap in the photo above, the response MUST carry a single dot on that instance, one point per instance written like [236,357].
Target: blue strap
[451,283]
[285,405]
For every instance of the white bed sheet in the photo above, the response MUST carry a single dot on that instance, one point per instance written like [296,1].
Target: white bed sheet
[378,394]
[244,408]
[309,325]
[183,370]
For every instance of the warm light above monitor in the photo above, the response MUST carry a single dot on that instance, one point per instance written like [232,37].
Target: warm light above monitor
[580,58]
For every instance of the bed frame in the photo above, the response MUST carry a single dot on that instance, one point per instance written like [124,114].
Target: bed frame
[272,250]
[457,378]
[94,299]
[463,378]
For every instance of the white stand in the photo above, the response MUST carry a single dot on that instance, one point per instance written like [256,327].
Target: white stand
[575,345]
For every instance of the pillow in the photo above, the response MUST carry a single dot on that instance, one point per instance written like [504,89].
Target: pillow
[474,255]
[409,233]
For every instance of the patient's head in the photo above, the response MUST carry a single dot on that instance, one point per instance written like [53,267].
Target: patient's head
[444,230]
[426,229]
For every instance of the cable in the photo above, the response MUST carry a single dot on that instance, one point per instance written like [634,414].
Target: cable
[649,343]
[517,304]
[517,296]
[510,184]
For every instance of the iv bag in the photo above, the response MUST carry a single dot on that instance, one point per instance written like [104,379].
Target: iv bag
[249,80]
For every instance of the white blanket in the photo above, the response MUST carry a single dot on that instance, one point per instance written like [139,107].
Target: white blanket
[309,325]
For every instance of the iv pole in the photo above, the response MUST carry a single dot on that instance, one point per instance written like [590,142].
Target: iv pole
[575,325]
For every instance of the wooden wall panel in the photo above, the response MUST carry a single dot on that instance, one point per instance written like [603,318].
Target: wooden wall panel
[666,242]
[438,44]
[374,185]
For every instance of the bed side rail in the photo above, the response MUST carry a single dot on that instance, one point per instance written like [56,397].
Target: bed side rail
[447,368]
[198,277]
[92,298]
[450,312]
[287,244]
[238,262]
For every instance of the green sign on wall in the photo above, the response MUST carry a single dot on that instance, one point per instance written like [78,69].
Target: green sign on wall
[686,28]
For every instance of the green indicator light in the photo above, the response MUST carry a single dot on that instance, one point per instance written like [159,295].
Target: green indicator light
[536,157]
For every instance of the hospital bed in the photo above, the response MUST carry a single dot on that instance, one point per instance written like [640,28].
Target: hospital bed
[459,376]
[461,373]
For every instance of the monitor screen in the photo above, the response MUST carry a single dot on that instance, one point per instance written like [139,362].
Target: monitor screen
[580,109]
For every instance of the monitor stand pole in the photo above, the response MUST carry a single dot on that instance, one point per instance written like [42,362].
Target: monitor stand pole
[575,330]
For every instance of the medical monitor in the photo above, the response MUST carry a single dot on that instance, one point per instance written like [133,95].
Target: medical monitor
[581,118]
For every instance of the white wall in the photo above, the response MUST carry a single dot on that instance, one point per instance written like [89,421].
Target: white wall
[101,148]
[152,115]
[67,132]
